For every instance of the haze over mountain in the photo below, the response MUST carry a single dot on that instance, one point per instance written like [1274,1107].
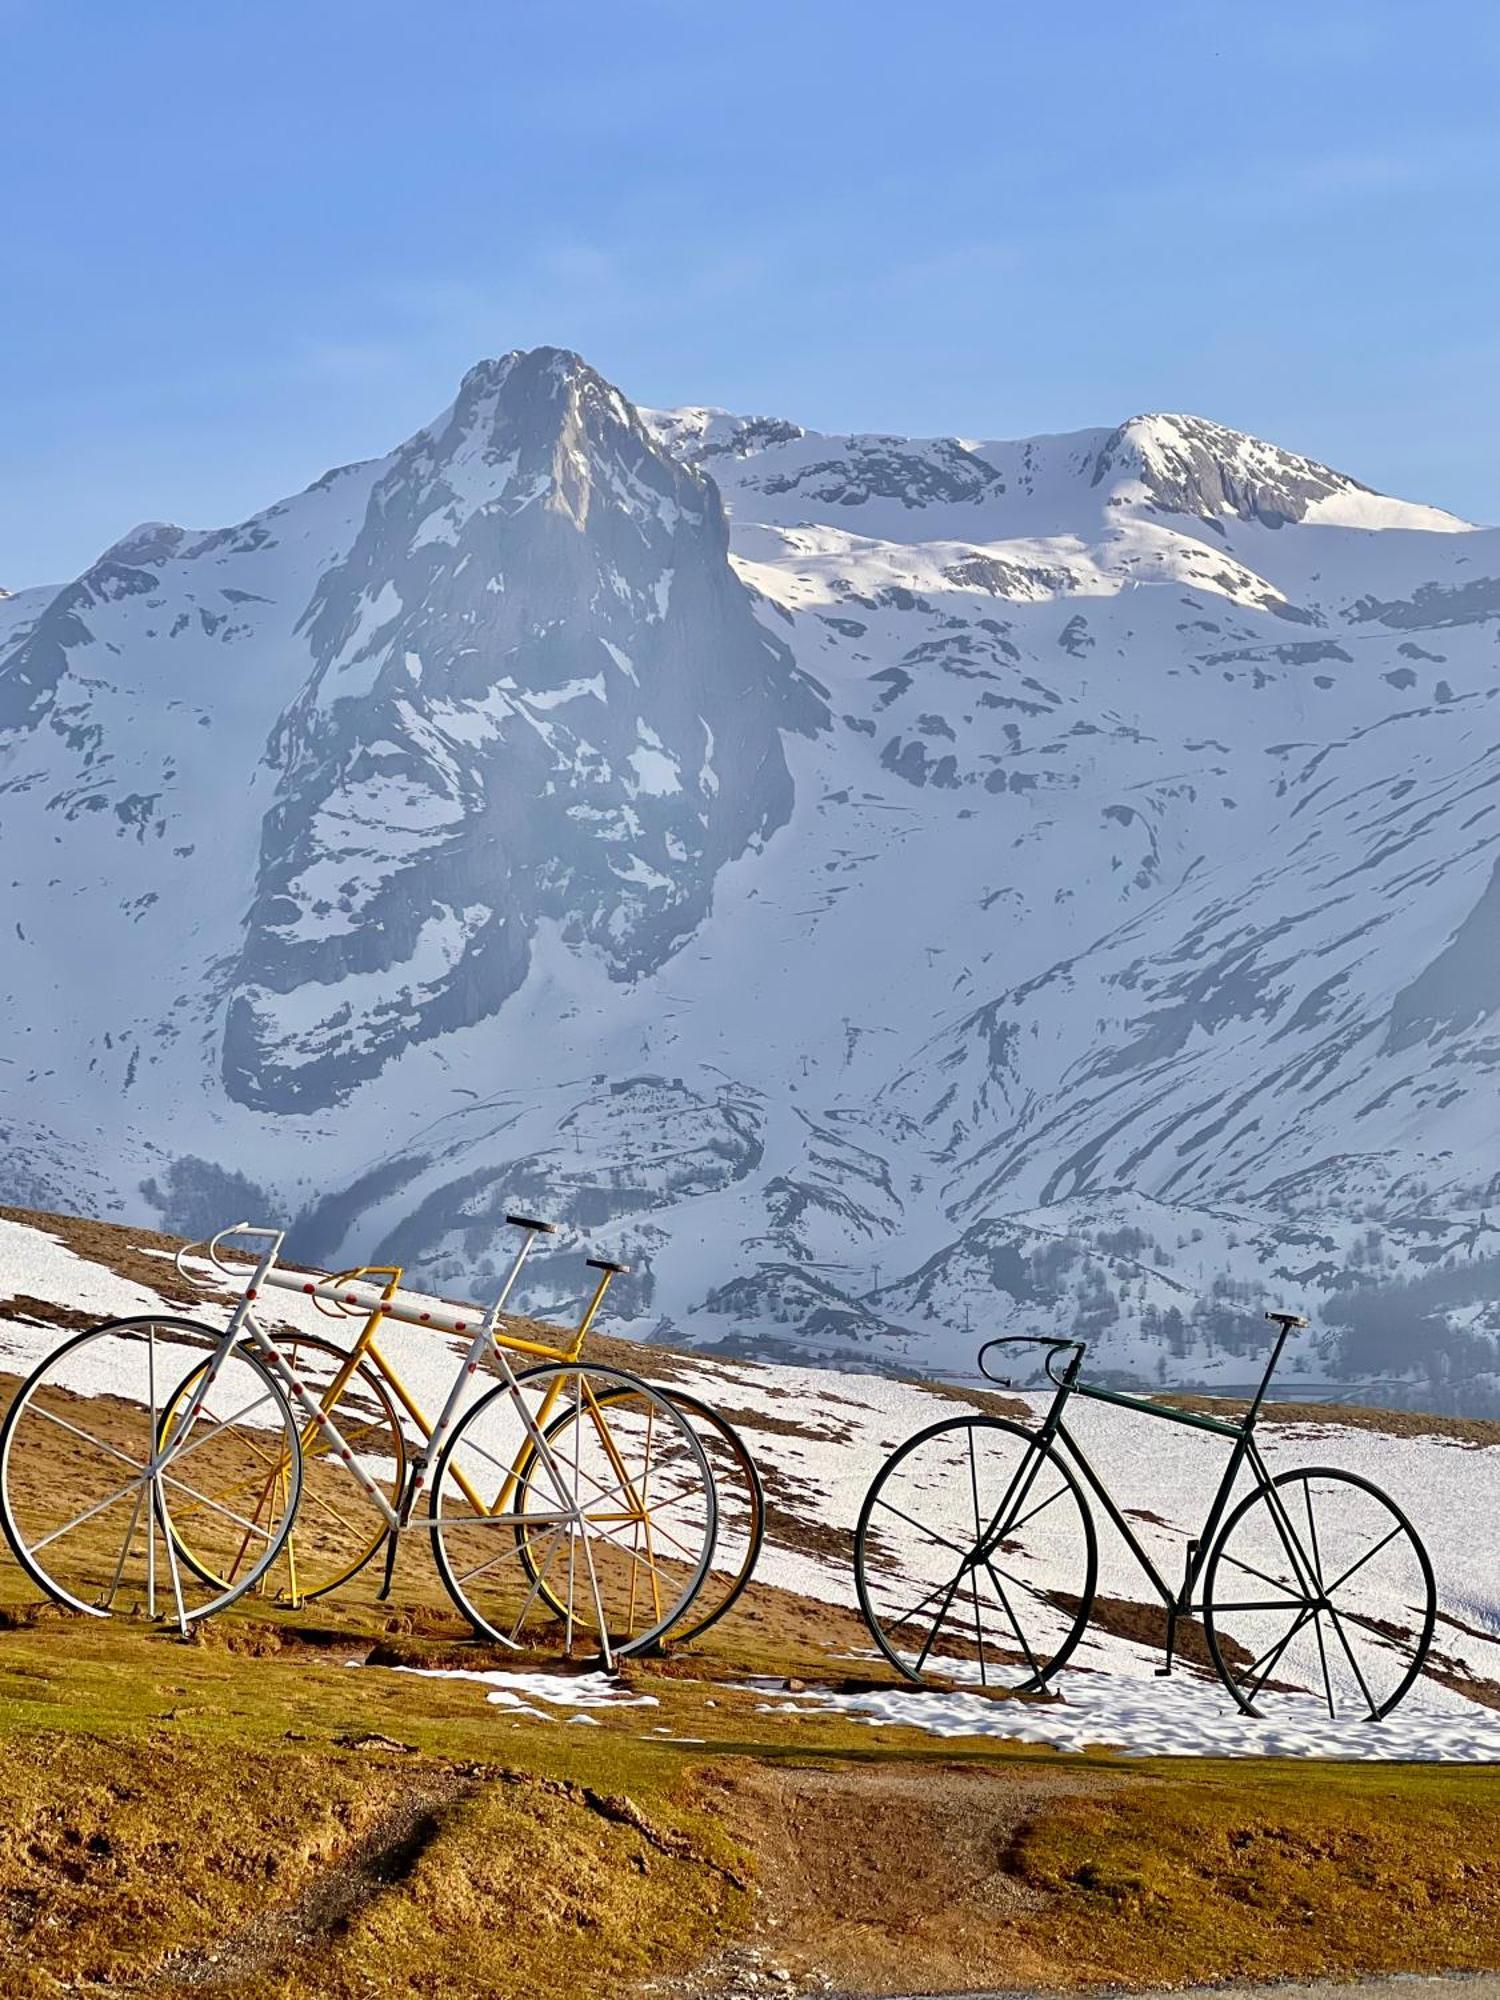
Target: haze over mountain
[889,889]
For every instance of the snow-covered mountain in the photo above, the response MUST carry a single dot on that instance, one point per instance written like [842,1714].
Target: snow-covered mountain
[890,889]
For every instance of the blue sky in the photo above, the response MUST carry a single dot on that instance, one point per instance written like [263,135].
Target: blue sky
[247,240]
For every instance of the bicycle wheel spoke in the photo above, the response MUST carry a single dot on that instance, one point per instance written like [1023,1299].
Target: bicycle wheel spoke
[325,1506]
[1260,1575]
[1368,1556]
[171,1547]
[1014,1528]
[1258,1603]
[250,1443]
[895,1624]
[603,1530]
[614,1495]
[508,1552]
[937,1623]
[174,1450]
[1312,1532]
[1272,1654]
[90,1513]
[108,1597]
[931,1533]
[1370,1701]
[1323,1662]
[539,1581]
[1043,1597]
[227,1513]
[110,1451]
[1031,1659]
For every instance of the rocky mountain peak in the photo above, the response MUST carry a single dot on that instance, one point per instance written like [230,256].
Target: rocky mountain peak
[699,435]
[147,542]
[1190,465]
[538,690]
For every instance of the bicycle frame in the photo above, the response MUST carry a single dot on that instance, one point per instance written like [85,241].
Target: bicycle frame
[1178,1601]
[365,1347]
[486,1341]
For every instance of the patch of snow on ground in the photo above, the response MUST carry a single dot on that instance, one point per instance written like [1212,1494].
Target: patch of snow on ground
[1174,1718]
[41,1266]
[517,1692]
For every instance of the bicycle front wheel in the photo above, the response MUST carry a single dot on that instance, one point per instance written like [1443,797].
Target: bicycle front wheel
[609,1521]
[1319,1585]
[975,1556]
[98,1493]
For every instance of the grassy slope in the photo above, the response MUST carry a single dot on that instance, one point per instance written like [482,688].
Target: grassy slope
[249,1809]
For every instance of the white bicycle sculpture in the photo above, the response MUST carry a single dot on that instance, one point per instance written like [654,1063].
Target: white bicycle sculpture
[154,1463]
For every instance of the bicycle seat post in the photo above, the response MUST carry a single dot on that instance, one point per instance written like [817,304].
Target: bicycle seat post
[1284,1322]
[608,1271]
[533,1229]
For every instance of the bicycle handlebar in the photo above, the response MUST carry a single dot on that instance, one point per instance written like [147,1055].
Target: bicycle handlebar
[209,1247]
[275,1236]
[1027,1340]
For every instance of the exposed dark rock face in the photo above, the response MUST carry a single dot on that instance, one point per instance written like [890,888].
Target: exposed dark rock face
[539,692]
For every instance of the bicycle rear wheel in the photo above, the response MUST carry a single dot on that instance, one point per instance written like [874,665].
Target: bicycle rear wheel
[742,1513]
[97,1497]
[975,1556]
[1319,1585]
[611,1521]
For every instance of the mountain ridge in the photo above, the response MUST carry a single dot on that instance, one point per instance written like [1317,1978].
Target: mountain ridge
[862,879]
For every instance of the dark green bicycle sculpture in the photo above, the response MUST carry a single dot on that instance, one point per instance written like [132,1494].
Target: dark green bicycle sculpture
[976,1557]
